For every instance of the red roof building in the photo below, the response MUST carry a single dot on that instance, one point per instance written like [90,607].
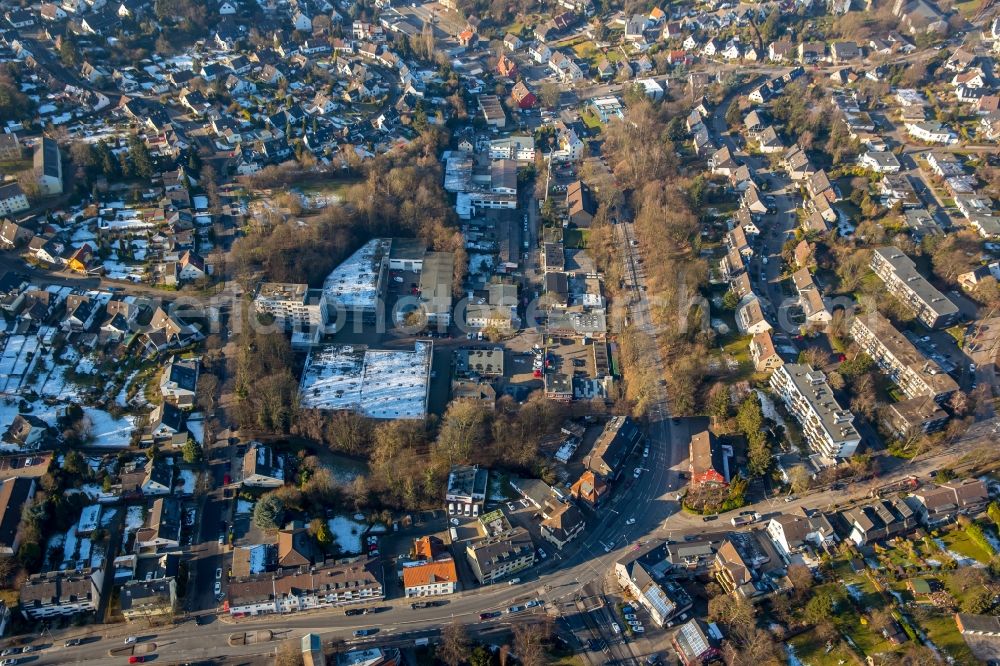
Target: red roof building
[524,98]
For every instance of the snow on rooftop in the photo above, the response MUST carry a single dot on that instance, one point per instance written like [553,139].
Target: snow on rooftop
[381,384]
[354,284]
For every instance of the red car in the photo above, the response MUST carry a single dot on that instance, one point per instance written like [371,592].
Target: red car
[136,659]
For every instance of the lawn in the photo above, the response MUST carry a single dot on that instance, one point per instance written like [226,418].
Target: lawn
[15,166]
[812,652]
[941,631]
[590,119]
[575,238]
[959,542]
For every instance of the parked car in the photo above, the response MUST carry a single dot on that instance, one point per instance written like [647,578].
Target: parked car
[131,640]
[489,615]
[361,633]
[515,609]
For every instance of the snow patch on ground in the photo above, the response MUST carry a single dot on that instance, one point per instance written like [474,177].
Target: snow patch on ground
[188,479]
[960,560]
[108,516]
[108,431]
[347,533]
[853,591]
[133,519]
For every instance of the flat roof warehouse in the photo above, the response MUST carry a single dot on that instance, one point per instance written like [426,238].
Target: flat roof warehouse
[379,384]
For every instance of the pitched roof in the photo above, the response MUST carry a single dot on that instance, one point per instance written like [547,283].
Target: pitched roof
[13,495]
[442,571]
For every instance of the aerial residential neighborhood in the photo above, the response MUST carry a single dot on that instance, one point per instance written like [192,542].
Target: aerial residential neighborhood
[574,332]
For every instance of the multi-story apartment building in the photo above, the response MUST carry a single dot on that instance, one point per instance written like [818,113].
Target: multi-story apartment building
[61,593]
[497,557]
[828,428]
[903,281]
[318,587]
[916,375]
[296,306]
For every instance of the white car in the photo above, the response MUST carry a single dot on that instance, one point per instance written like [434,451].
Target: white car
[218,574]
[637,473]
[131,640]
[615,628]
[645,452]
[630,521]
[218,588]
[397,279]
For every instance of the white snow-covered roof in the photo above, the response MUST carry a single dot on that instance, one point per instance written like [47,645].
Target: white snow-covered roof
[355,283]
[380,384]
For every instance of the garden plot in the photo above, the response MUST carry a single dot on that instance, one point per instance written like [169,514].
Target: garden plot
[108,431]
[133,519]
[187,480]
[347,533]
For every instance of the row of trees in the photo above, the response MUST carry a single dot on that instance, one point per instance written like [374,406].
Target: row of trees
[643,159]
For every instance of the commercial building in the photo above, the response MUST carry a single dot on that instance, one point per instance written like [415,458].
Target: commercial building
[916,375]
[355,288]
[642,573]
[48,167]
[492,110]
[15,493]
[828,428]
[436,273]
[903,281]
[379,384]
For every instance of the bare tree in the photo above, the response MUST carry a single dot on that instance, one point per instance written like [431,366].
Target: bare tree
[454,644]
[529,644]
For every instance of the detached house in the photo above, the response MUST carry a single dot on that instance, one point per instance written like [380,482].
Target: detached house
[179,381]
[708,460]
[791,532]
[263,467]
[163,526]
[167,423]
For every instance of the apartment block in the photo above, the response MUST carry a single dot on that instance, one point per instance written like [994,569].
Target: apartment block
[828,428]
[916,375]
[295,305]
[61,593]
[903,281]
[499,556]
